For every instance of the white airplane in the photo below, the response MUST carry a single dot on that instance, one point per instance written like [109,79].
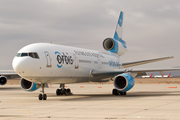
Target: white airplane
[7,74]
[159,76]
[40,64]
[147,76]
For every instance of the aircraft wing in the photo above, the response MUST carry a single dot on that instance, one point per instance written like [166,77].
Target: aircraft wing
[131,64]
[112,73]
[9,74]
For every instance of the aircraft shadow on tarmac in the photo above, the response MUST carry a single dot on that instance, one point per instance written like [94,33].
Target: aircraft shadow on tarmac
[103,97]
[10,88]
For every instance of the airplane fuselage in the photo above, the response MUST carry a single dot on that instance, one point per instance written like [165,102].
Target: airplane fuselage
[62,64]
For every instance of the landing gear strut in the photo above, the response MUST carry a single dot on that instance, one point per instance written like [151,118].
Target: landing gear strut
[63,91]
[42,96]
[116,92]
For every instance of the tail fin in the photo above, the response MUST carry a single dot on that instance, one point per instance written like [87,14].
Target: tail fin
[151,75]
[119,27]
[169,75]
[119,30]
[116,44]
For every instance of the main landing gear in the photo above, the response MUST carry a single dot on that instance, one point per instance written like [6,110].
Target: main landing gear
[63,91]
[116,92]
[42,96]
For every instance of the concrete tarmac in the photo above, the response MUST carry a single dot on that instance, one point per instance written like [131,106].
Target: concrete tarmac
[92,102]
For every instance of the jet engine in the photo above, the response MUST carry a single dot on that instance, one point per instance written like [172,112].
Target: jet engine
[123,82]
[3,80]
[115,46]
[28,86]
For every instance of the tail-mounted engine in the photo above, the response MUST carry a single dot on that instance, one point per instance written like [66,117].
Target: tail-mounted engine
[115,46]
[3,80]
[123,82]
[28,86]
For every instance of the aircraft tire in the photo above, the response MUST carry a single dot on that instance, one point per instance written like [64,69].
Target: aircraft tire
[40,97]
[122,93]
[115,92]
[64,92]
[44,96]
[58,92]
[68,90]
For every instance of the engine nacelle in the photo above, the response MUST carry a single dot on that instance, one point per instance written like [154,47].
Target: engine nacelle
[124,82]
[3,80]
[28,86]
[115,46]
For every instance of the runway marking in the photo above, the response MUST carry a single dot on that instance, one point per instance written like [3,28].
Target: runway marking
[172,87]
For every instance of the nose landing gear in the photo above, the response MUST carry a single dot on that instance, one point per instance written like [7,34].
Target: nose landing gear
[42,96]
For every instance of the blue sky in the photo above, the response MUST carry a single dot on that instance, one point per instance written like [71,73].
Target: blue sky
[151,27]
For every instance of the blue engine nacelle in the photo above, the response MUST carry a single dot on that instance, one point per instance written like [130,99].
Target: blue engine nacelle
[28,86]
[123,82]
[115,46]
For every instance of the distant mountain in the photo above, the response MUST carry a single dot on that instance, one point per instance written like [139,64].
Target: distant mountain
[176,67]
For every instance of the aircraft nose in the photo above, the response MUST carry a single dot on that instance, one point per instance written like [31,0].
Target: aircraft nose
[18,65]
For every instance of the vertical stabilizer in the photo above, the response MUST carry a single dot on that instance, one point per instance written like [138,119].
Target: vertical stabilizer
[116,44]
[119,27]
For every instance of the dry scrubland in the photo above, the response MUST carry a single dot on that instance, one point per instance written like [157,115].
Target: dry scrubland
[172,80]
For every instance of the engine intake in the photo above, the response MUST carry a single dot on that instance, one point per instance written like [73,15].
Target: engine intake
[108,44]
[3,80]
[28,86]
[124,82]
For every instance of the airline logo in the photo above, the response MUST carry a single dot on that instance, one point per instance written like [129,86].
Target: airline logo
[114,64]
[63,58]
[120,19]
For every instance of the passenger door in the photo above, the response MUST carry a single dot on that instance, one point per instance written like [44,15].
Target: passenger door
[76,62]
[48,58]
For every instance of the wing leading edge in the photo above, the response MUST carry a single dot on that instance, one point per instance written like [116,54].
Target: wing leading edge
[131,64]
[112,73]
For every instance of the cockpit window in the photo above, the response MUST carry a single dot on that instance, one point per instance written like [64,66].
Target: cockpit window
[18,55]
[36,55]
[24,54]
[32,54]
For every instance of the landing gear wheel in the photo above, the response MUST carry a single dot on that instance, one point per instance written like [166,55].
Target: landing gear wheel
[44,96]
[58,92]
[40,96]
[122,93]
[115,92]
[64,92]
[68,90]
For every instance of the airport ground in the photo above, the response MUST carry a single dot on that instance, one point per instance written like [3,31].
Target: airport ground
[149,99]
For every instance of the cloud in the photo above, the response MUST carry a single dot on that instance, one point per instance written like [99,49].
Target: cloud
[151,27]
